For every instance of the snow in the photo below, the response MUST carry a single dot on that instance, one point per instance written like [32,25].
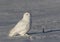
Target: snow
[45,14]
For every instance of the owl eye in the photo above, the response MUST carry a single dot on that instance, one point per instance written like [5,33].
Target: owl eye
[26,14]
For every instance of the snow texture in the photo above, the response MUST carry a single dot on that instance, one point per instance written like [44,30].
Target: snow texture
[45,19]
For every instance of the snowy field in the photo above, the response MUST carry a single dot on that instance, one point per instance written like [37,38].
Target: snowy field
[45,14]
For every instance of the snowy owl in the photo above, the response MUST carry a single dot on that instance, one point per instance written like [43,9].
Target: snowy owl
[22,27]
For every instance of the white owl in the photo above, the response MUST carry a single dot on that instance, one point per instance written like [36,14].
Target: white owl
[22,27]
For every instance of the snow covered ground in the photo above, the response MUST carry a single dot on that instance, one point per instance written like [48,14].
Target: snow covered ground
[45,14]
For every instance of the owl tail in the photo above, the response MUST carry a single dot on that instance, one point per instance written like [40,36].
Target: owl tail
[12,33]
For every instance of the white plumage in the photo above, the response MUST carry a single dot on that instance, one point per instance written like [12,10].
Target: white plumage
[22,27]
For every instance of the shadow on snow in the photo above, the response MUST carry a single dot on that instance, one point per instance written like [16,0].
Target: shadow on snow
[43,32]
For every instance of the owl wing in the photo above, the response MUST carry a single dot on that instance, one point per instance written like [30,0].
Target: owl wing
[20,26]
